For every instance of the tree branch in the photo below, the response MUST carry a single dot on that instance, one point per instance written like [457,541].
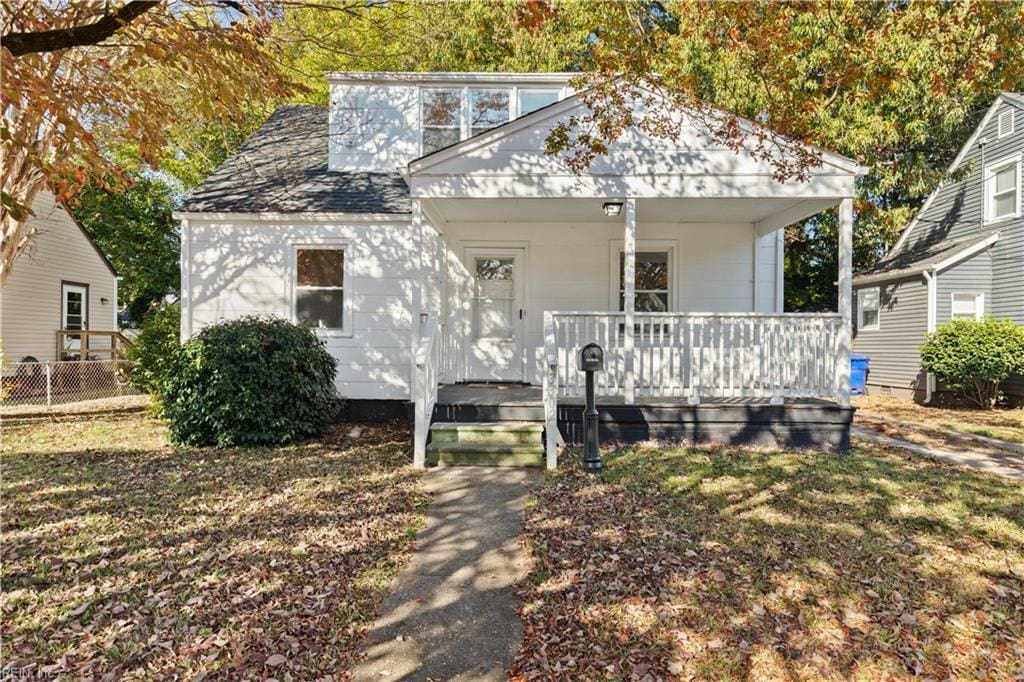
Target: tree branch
[31,42]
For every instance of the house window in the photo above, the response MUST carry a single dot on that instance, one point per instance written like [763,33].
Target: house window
[867,308]
[442,118]
[967,306]
[1005,125]
[1003,190]
[320,287]
[532,100]
[652,282]
[487,109]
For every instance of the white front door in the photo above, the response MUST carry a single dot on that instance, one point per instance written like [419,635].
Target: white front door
[495,349]
[74,311]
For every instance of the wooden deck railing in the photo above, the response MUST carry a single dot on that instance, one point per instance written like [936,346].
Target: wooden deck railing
[694,356]
[90,344]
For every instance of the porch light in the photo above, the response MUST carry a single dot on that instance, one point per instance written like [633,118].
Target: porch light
[612,208]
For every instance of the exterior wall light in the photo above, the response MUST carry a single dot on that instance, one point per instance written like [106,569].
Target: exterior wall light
[612,208]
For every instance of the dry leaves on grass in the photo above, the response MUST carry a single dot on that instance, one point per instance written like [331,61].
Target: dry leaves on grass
[127,559]
[719,563]
[1000,423]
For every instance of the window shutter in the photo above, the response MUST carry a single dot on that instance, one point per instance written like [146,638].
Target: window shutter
[1005,123]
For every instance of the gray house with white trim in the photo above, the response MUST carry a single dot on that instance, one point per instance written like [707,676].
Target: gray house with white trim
[962,256]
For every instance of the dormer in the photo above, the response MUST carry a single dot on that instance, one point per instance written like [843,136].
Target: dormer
[382,121]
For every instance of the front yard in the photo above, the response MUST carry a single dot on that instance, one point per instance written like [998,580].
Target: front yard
[720,563]
[127,558]
[1002,423]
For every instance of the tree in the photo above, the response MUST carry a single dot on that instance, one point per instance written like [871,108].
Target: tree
[470,35]
[134,226]
[898,86]
[81,77]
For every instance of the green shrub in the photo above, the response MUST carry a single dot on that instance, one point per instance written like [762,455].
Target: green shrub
[153,348]
[247,382]
[974,357]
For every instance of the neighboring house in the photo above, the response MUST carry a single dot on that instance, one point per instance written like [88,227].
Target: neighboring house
[60,283]
[962,256]
[448,262]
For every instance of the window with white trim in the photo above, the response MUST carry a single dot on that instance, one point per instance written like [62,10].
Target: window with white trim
[868,301]
[1005,124]
[320,287]
[652,281]
[442,117]
[967,306]
[1002,195]
[532,100]
[488,108]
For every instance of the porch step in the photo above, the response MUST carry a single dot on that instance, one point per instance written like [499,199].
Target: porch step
[497,433]
[513,444]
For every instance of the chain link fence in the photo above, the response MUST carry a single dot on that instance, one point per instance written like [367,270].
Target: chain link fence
[58,383]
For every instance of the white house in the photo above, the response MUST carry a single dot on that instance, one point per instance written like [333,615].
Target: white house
[61,295]
[419,226]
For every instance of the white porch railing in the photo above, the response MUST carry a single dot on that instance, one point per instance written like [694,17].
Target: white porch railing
[693,356]
[425,377]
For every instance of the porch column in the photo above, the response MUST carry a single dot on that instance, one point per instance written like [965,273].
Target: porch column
[845,301]
[629,297]
[421,421]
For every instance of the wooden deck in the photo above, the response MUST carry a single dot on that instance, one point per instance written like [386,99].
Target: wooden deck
[807,422]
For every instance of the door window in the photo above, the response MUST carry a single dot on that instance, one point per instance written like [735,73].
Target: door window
[74,307]
[494,297]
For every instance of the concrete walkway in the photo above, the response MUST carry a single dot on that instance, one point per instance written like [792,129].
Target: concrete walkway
[451,614]
[1004,464]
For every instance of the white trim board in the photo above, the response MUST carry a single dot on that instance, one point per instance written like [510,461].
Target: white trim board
[312,217]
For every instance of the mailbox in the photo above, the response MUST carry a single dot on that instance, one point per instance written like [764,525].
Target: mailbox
[590,358]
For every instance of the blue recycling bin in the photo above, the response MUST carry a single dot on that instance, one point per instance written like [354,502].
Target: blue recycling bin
[859,373]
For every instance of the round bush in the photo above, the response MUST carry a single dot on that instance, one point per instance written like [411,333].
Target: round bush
[974,357]
[248,382]
[153,348]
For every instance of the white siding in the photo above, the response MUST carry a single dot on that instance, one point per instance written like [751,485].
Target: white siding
[30,301]
[246,268]
[569,266]
[373,127]
[512,162]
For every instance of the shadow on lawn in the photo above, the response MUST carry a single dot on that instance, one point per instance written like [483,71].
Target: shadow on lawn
[719,562]
[238,562]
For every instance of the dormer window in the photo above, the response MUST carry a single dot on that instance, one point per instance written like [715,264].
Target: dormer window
[453,114]
[442,118]
[532,100]
[487,108]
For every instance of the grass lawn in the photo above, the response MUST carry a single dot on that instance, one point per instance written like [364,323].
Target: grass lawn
[125,558]
[1005,424]
[720,563]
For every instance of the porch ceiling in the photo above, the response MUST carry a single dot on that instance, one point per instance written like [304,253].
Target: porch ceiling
[768,213]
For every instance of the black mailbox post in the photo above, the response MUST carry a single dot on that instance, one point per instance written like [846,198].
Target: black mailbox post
[590,360]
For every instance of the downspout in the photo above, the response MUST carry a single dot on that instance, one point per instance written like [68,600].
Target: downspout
[932,279]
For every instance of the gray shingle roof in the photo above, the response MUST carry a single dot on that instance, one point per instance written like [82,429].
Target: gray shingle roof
[282,168]
[913,261]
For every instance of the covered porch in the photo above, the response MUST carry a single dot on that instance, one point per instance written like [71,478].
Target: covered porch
[670,258]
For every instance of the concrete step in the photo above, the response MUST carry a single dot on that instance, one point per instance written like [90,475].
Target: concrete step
[498,433]
[480,454]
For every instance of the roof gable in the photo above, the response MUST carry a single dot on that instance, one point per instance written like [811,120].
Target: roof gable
[574,105]
[1010,98]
